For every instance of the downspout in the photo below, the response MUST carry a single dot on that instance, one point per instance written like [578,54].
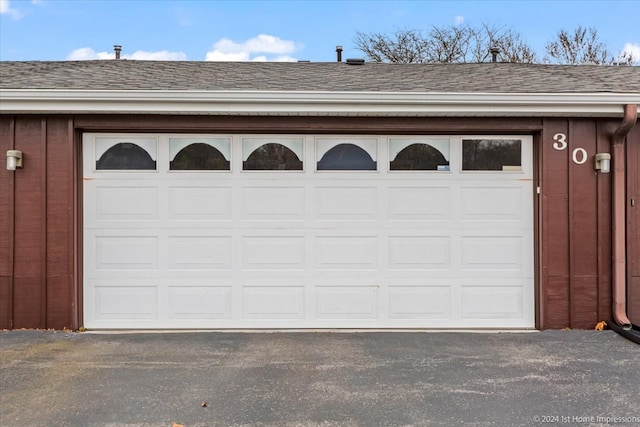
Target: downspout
[618,216]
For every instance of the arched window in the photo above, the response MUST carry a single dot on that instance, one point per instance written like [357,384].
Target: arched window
[346,157]
[199,156]
[125,156]
[272,156]
[418,156]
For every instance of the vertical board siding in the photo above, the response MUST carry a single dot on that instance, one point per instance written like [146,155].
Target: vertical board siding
[633,225]
[555,226]
[576,226]
[603,143]
[6,227]
[36,208]
[29,254]
[583,227]
[59,224]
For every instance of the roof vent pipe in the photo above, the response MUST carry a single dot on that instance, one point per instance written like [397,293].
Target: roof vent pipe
[339,53]
[494,54]
[117,48]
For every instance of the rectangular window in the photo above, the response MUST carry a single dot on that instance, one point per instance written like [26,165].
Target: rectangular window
[491,155]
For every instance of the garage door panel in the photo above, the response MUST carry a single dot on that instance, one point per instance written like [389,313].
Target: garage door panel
[496,203]
[199,203]
[200,252]
[492,253]
[273,302]
[346,252]
[199,302]
[126,253]
[267,203]
[419,252]
[126,203]
[308,249]
[486,302]
[273,252]
[126,302]
[346,302]
[409,203]
[420,302]
[347,203]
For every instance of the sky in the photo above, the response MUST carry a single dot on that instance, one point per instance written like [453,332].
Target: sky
[295,30]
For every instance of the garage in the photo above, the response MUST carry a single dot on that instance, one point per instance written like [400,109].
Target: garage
[226,231]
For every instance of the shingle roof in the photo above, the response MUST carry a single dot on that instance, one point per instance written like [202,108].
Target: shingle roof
[329,76]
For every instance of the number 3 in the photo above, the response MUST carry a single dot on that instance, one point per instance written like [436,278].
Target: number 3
[561,141]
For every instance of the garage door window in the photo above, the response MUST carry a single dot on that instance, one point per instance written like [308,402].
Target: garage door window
[491,155]
[125,155]
[193,154]
[271,155]
[351,155]
[418,155]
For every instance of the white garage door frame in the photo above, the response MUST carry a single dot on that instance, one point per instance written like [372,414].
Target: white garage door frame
[306,249]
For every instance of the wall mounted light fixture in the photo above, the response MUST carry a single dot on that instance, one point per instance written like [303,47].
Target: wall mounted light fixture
[603,162]
[14,159]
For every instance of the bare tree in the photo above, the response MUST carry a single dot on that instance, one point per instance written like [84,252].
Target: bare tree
[445,44]
[508,43]
[627,58]
[403,46]
[449,44]
[582,46]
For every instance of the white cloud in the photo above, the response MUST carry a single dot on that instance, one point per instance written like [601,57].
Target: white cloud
[6,9]
[253,49]
[459,20]
[631,49]
[86,53]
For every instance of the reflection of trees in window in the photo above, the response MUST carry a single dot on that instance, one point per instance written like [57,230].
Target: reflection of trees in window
[199,156]
[418,157]
[272,156]
[126,156]
[346,157]
[490,154]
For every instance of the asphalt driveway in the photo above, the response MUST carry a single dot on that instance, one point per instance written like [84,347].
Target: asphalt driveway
[318,379]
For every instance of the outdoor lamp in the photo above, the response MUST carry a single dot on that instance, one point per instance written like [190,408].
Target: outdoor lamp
[14,159]
[603,162]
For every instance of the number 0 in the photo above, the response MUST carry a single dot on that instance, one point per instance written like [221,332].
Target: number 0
[580,156]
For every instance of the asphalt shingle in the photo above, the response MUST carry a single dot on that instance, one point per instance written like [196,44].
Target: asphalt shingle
[320,76]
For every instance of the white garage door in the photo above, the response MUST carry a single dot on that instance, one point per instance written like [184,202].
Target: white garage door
[307,231]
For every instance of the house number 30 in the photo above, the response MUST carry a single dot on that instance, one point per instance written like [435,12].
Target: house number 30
[579,155]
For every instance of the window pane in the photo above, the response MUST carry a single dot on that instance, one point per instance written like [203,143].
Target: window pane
[199,156]
[419,156]
[346,157]
[125,156]
[272,156]
[492,154]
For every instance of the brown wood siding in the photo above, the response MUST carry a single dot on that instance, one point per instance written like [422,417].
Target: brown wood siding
[554,235]
[40,283]
[576,226]
[6,226]
[633,225]
[36,254]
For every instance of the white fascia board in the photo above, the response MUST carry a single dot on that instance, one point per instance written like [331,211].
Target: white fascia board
[53,101]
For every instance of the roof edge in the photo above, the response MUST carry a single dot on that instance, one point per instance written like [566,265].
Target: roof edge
[56,101]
